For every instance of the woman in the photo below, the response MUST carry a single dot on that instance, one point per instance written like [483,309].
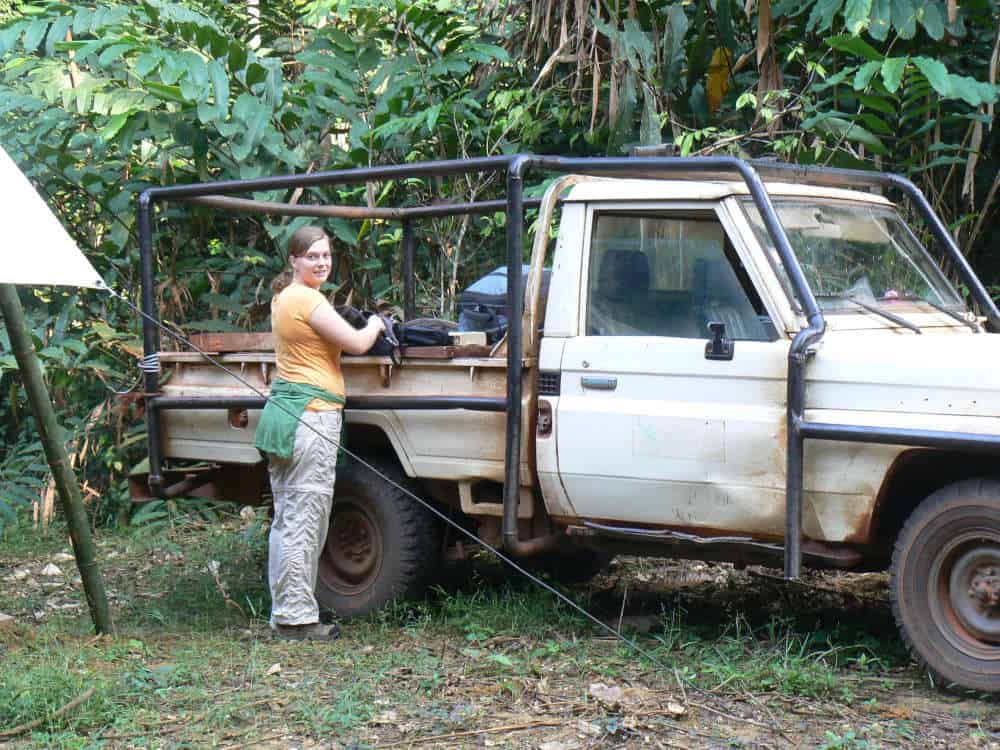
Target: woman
[300,429]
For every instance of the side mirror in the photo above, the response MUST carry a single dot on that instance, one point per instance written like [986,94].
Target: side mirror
[719,347]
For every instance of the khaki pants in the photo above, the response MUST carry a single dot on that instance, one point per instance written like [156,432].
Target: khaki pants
[303,496]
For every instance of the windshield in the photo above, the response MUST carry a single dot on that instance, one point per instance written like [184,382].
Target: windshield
[854,251]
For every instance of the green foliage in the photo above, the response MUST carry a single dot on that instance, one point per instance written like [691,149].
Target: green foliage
[157,515]
[23,477]
[778,655]
[100,99]
[37,687]
[848,82]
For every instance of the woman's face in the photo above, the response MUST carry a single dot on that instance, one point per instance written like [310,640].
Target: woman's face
[312,268]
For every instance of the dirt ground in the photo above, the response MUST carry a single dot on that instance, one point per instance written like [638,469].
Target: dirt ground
[742,660]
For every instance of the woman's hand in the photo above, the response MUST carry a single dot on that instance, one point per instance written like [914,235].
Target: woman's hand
[378,323]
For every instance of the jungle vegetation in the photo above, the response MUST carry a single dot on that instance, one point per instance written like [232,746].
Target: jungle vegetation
[99,100]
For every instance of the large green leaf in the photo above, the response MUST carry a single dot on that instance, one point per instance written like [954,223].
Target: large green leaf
[114,126]
[168,93]
[147,62]
[856,15]
[973,92]
[881,20]
[114,52]
[675,29]
[936,74]
[932,19]
[855,45]
[904,18]
[639,43]
[195,82]
[878,103]
[220,89]
[875,124]
[34,32]
[821,17]
[840,127]
[57,33]
[892,72]
[649,128]
[864,75]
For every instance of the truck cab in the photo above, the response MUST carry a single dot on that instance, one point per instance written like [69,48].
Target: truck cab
[669,322]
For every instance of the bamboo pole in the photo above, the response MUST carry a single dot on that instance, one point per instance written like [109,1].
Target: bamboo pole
[52,436]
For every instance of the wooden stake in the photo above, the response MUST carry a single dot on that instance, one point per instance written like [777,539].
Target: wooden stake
[52,436]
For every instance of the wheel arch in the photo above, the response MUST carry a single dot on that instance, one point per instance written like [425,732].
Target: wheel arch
[913,476]
[375,433]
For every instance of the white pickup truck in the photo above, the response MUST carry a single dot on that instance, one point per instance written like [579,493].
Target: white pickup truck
[724,368]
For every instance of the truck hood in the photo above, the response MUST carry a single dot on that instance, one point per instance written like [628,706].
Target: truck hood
[955,374]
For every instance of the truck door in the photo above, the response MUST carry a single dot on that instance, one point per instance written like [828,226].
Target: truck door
[652,426]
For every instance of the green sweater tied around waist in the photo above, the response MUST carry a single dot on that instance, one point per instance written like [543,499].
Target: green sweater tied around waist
[282,412]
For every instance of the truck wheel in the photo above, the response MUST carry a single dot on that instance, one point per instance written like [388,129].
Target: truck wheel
[946,584]
[382,545]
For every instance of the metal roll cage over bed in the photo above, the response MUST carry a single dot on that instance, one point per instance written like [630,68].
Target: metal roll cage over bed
[516,168]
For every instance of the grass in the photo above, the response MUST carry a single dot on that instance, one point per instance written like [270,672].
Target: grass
[192,662]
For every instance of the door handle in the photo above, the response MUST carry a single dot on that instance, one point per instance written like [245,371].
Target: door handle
[599,383]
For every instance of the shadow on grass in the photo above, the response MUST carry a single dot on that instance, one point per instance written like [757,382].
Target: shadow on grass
[717,626]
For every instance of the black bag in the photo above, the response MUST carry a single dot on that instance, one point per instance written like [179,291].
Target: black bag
[482,306]
[426,332]
[482,318]
[387,344]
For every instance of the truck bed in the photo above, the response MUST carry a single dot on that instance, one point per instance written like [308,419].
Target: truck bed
[449,444]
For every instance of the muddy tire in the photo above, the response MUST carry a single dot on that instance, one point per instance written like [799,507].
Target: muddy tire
[382,544]
[946,585]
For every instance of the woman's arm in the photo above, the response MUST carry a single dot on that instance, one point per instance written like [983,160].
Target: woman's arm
[333,328]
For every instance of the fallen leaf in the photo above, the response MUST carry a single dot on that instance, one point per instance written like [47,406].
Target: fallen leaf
[635,697]
[51,570]
[608,696]
[274,669]
[897,712]
[675,709]
[62,557]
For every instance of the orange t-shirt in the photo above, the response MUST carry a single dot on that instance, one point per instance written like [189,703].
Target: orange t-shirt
[302,355]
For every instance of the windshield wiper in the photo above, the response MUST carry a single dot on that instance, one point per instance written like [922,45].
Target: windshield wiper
[887,315]
[941,308]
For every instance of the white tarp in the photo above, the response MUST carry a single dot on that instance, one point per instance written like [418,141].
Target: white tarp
[34,246]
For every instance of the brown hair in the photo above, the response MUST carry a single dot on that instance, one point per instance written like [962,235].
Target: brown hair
[302,240]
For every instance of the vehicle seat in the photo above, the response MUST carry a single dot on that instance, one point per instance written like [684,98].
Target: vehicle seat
[719,298]
[619,302]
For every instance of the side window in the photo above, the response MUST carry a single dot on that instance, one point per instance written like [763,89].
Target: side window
[655,275]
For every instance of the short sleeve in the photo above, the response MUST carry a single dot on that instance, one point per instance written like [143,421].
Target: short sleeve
[306,301]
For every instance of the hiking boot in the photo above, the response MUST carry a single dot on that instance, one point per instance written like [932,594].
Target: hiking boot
[313,631]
